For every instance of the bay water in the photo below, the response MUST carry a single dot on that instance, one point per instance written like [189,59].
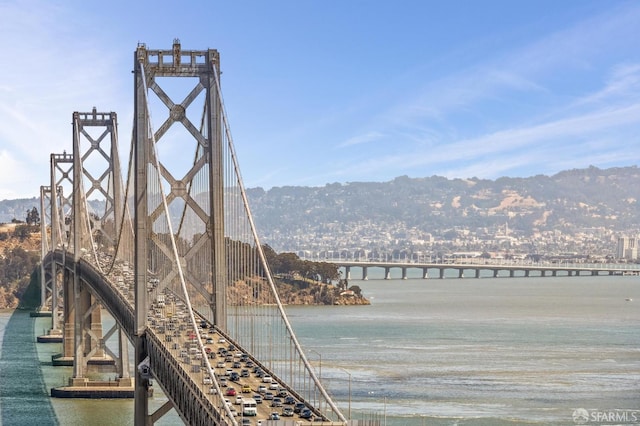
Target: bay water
[489,351]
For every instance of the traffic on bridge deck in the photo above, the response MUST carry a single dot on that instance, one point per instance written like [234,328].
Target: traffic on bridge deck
[172,253]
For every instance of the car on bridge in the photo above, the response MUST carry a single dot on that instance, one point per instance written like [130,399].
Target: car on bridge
[306,414]
[287,412]
[277,402]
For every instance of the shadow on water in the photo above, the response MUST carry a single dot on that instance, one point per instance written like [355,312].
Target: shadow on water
[24,399]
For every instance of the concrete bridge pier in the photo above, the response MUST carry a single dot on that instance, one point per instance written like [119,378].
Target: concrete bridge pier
[526,272]
[512,273]
[404,273]
[387,273]
[495,273]
[425,273]
[460,273]
[83,344]
[441,273]
[365,275]
[477,273]
[347,272]
[68,337]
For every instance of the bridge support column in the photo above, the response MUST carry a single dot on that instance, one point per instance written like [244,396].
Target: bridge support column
[460,273]
[404,273]
[55,312]
[365,275]
[441,273]
[68,338]
[387,273]
[123,359]
[553,273]
[141,385]
[526,272]
[477,274]
[96,331]
[512,273]
[347,272]
[495,273]
[87,329]
[425,273]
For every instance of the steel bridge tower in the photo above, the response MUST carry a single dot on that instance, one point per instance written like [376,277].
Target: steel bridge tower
[196,189]
[92,170]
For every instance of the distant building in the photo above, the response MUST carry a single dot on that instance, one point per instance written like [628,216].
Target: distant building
[627,248]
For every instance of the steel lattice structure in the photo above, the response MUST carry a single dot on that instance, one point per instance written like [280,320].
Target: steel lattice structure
[172,252]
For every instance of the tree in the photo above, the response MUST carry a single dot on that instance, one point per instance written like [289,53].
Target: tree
[33,217]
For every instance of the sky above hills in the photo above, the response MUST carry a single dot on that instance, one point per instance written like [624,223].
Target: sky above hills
[342,91]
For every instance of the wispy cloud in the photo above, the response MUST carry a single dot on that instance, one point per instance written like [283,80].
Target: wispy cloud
[361,139]
[492,154]
[51,74]
[572,129]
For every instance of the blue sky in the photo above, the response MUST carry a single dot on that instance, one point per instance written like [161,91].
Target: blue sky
[342,91]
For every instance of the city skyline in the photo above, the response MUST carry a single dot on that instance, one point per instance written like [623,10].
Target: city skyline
[330,92]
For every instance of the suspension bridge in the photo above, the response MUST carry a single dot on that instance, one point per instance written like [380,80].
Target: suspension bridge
[168,247]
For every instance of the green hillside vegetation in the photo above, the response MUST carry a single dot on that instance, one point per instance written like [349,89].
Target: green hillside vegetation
[305,282]
[18,261]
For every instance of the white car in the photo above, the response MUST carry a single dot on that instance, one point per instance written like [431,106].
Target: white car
[206,380]
[267,379]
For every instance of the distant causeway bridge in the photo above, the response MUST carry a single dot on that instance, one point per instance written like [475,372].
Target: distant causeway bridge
[488,269]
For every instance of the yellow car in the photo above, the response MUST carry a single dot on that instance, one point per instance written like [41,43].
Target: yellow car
[246,389]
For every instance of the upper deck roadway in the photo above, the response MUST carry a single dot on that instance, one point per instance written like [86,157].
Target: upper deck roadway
[178,362]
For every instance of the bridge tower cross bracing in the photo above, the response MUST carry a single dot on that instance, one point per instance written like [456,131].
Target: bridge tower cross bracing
[193,188]
[96,177]
[47,289]
[61,168]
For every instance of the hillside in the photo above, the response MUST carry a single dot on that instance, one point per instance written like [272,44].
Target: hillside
[19,255]
[290,218]
[581,210]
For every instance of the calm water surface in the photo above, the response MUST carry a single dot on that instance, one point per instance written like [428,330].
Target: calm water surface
[444,352]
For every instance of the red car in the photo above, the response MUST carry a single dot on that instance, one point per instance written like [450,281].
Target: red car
[231,392]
